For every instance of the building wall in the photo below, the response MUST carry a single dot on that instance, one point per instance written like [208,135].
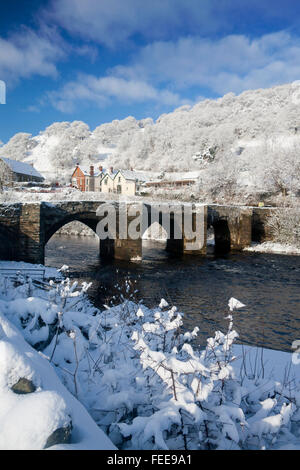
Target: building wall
[88,183]
[127,187]
[93,183]
[27,178]
[7,176]
[107,185]
[118,185]
[80,179]
[98,183]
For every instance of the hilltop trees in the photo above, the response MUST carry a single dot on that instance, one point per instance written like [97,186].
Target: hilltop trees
[240,144]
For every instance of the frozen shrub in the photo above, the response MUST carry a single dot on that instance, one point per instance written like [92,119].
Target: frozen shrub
[145,381]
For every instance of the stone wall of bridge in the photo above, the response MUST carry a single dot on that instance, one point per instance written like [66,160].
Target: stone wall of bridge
[232,227]
[26,228]
[261,231]
[20,232]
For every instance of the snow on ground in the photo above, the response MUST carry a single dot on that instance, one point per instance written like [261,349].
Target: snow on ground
[72,194]
[139,376]
[27,420]
[272,247]
[29,268]
[61,195]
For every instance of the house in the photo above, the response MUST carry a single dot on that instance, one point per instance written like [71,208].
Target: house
[120,182]
[126,182]
[13,171]
[87,180]
[108,181]
[174,180]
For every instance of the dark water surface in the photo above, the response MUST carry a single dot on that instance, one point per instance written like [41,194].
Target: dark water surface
[200,287]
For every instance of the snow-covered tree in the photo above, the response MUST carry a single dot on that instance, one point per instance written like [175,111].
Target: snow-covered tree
[248,142]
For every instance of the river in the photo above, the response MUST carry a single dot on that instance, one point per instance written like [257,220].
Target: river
[200,287]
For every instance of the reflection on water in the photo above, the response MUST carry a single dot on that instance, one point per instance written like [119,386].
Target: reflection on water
[199,286]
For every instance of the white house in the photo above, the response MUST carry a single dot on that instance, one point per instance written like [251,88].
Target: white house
[107,184]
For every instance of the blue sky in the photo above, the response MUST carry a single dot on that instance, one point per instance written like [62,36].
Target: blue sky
[99,60]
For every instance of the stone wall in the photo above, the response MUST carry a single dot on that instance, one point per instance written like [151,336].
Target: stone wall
[26,228]
[232,226]
[261,232]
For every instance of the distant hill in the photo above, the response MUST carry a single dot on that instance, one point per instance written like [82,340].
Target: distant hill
[240,137]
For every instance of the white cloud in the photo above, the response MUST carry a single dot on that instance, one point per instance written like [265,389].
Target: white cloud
[111,22]
[102,91]
[164,72]
[233,63]
[29,53]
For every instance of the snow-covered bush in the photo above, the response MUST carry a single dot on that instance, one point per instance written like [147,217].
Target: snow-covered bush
[285,226]
[143,378]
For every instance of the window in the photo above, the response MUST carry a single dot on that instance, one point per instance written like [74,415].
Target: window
[119,180]
[105,181]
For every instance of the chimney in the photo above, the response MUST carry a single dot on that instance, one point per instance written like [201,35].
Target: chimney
[101,168]
[91,170]
[111,169]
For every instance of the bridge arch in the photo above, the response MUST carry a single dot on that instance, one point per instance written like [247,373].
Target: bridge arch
[222,236]
[84,218]
[167,222]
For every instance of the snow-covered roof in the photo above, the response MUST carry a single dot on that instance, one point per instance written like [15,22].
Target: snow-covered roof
[135,175]
[176,176]
[112,174]
[21,167]
[86,171]
[132,175]
[129,174]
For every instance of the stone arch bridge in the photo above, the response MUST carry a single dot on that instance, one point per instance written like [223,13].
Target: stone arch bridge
[25,228]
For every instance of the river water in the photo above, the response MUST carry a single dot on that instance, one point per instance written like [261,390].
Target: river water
[200,287]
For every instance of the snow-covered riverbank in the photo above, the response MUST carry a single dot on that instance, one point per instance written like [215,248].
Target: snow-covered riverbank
[272,247]
[33,270]
[37,411]
[139,376]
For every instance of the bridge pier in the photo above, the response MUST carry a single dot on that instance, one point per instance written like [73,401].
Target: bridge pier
[30,241]
[261,231]
[128,250]
[197,244]
[232,227]
[107,249]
